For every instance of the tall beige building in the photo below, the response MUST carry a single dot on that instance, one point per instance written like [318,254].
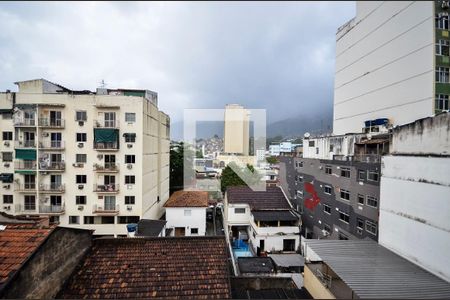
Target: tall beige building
[236,130]
[96,160]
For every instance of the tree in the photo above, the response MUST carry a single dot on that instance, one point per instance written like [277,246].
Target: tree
[199,154]
[177,153]
[272,160]
[230,178]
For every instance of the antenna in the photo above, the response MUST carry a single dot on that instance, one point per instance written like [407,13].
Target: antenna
[102,84]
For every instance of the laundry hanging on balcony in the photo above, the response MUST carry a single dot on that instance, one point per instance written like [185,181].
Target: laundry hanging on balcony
[27,154]
[106,135]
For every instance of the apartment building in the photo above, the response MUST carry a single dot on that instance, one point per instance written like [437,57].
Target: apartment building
[236,130]
[95,160]
[392,62]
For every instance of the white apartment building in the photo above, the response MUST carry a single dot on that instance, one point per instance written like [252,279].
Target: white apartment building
[392,64]
[95,160]
[236,130]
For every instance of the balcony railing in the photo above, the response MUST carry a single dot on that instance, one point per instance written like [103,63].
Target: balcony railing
[25,165]
[107,167]
[25,209]
[52,187]
[51,145]
[106,146]
[25,144]
[25,187]
[106,124]
[51,209]
[105,209]
[52,166]
[106,188]
[368,158]
[51,123]
[25,122]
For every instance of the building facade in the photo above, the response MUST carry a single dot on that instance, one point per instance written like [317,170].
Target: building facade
[392,62]
[236,130]
[95,160]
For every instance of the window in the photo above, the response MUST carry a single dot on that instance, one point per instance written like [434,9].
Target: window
[129,179]
[128,219]
[7,156]
[317,150]
[372,176]
[359,223]
[129,200]
[81,179]
[361,175]
[107,220]
[194,230]
[441,102]
[344,217]
[187,212]
[7,135]
[372,201]
[74,219]
[327,228]
[442,74]
[328,170]
[327,209]
[345,195]
[130,117]
[442,47]
[289,245]
[130,137]
[311,144]
[345,172]
[130,159]
[300,164]
[81,137]
[30,202]
[80,200]
[300,178]
[360,199]
[442,22]
[371,227]
[327,190]
[300,194]
[88,220]
[7,199]
[239,210]
[80,115]
[81,158]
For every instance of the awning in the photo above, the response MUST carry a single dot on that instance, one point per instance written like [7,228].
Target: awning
[106,135]
[274,215]
[7,177]
[26,172]
[27,154]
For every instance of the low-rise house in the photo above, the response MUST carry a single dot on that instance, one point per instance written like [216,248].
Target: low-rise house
[165,267]
[264,219]
[186,213]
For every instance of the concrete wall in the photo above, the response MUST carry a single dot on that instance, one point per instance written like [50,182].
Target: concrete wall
[315,286]
[45,272]
[175,218]
[385,65]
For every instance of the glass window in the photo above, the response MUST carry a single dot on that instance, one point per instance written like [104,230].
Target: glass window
[442,47]
[129,200]
[130,117]
[345,195]
[328,170]
[128,219]
[327,228]
[80,200]
[345,172]
[371,227]
[361,175]
[108,220]
[7,156]
[81,137]
[442,22]
[360,199]
[130,137]
[311,143]
[194,230]
[239,210]
[80,115]
[327,209]
[74,219]
[7,135]
[344,217]
[442,74]
[327,189]
[130,179]
[187,212]
[442,102]
[372,201]
[359,223]
[81,179]
[81,158]
[130,159]
[7,199]
[30,202]
[372,176]
[88,220]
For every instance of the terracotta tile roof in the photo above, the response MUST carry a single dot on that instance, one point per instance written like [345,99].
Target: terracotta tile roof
[271,198]
[185,267]
[17,243]
[188,199]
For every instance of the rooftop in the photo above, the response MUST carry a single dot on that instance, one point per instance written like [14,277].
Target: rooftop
[188,199]
[271,198]
[288,260]
[256,265]
[181,267]
[278,215]
[372,271]
[147,227]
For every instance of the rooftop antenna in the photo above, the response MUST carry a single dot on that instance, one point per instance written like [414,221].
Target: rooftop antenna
[102,84]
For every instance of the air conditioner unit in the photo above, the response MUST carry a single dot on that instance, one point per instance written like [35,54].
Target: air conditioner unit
[80,187]
[129,207]
[130,166]
[81,207]
[80,145]
[100,156]
[45,134]
[6,186]
[6,144]
[130,145]
[7,207]
[6,165]
[81,123]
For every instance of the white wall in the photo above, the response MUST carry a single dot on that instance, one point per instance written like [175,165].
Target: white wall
[385,65]
[415,210]
[236,219]
[175,218]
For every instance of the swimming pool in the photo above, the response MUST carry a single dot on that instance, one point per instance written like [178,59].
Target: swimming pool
[241,249]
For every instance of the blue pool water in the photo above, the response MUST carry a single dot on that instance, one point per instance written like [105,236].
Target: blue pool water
[240,249]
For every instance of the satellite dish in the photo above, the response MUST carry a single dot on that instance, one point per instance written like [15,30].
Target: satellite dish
[307,135]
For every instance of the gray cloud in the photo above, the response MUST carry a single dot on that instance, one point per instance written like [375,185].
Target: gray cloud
[278,56]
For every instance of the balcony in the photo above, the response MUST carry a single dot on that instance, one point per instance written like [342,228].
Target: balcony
[25,165]
[51,145]
[52,166]
[106,168]
[368,158]
[25,123]
[25,209]
[24,144]
[106,146]
[52,188]
[105,209]
[26,187]
[52,209]
[51,123]
[106,124]
[106,188]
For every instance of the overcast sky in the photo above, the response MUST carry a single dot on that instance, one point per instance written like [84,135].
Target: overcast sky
[278,56]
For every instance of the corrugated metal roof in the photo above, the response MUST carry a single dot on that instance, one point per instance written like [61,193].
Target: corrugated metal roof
[288,260]
[373,271]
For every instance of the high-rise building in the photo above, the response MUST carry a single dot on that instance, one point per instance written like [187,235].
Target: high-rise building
[236,130]
[392,64]
[95,160]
